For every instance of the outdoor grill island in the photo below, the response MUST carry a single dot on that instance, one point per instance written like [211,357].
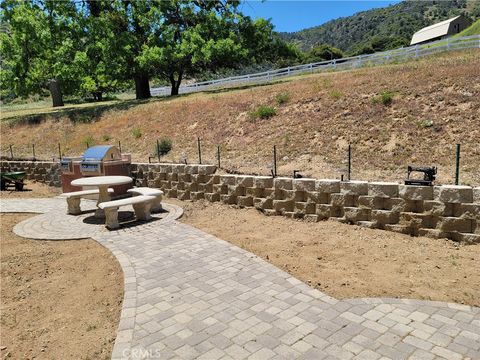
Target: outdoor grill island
[101,160]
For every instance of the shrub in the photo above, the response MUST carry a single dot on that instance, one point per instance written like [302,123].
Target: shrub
[88,141]
[264,112]
[106,137]
[385,98]
[164,147]
[137,133]
[425,123]
[336,94]
[323,52]
[282,98]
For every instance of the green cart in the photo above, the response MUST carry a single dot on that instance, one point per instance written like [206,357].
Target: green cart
[12,179]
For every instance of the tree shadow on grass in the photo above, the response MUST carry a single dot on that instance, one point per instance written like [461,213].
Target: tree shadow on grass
[95,111]
[85,114]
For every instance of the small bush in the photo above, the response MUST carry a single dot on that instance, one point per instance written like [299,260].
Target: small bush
[327,82]
[385,98]
[425,123]
[137,133]
[264,112]
[164,147]
[106,137]
[88,141]
[282,98]
[336,94]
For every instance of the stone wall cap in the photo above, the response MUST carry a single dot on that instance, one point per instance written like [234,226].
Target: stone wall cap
[419,186]
[383,183]
[328,180]
[456,187]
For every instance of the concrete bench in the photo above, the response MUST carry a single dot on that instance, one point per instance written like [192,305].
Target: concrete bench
[73,199]
[141,204]
[157,193]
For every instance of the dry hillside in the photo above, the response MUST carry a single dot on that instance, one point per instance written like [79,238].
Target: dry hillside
[436,104]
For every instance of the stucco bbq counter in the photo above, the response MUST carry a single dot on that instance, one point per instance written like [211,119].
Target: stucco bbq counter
[103,183]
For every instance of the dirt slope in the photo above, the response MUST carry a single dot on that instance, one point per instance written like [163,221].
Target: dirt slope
[348,261]
[436,104]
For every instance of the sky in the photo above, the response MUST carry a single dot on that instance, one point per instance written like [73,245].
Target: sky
[291,15]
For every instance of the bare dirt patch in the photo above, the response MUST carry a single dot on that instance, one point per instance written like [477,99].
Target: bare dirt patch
[348,261]
[59,299]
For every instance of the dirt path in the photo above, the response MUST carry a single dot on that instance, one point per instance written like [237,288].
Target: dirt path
[59,299]
[347,261]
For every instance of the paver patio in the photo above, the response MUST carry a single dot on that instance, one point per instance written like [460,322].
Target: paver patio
[190,295]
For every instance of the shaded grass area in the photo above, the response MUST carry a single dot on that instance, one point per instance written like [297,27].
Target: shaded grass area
[82,113]
[35,113]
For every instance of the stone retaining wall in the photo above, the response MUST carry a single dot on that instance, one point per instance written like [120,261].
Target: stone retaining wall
[47,172]
[437,211]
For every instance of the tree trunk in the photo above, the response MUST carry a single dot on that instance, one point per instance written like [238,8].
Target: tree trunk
[97,96]
[175,83]
[142,86]
[56,92]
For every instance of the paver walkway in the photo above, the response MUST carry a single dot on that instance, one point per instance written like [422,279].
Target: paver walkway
[190,295]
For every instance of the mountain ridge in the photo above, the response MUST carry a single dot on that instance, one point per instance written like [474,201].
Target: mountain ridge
[394,24]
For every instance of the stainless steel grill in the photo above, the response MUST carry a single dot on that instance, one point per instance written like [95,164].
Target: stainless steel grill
[95,157]
[102,160]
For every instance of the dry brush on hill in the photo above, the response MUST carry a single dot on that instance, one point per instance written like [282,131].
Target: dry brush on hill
[413,113]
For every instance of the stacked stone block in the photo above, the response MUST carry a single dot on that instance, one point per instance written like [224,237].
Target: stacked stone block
[458,215]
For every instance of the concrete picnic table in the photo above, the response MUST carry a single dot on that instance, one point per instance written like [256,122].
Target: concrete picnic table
[103,183]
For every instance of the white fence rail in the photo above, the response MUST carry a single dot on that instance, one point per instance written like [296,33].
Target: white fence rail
[380,58]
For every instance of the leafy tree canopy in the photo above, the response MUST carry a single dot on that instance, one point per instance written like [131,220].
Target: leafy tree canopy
[35,53]
[96,46]
[323,52]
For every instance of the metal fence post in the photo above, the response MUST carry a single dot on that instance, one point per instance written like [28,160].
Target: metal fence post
[218,155]
[349,169]
[120,146]
[274,160]
[11,152]
[457,165]
[33,151]
[59,152]
[199,152]
[158,150]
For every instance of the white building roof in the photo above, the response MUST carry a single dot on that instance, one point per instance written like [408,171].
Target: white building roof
[432,31]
